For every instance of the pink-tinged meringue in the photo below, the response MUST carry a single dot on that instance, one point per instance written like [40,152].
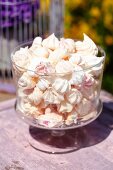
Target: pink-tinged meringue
[71,118]
[50,120]
[22,58]
[51,42]
[39,66]
[36,96]
[68,44]
[23,93]
[84,107]
[77,76]
[50,96]
[86,47]
[74,96]
[75,59]
[43,84]
[61,85]
[65,107]
[26,82]
[88,86]
[57,55]
[88,80]
[40,52]
[64,67]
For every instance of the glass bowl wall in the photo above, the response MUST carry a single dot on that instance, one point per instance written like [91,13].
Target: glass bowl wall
[82,112]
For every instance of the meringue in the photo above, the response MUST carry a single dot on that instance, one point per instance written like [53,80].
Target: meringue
[26,82]
[51,42]
[64,67]
[77,76]
[50,120]
[57,55]
[65,107]
[29,109]
[84,107]
[43,84]
[68,44]
[39,66]
[75,59]
[36,96]
[22,58]
[61,85]
[41,52]
[71,118]
[50,96]
[86,47]
[74,96]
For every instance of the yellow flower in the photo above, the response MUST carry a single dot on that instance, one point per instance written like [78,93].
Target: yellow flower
[109,40]
[95,12]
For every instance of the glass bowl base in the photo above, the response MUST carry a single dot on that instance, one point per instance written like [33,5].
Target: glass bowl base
[56,142]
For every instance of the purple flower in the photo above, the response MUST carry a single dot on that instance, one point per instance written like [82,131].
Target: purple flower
[11,10]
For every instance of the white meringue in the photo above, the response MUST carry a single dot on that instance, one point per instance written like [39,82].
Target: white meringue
[26,82]
[65,107]
[57,55]
[51,42]
[68,44]
[41,52]
[28,109]
[86,47]
[84,107]
[43,84]
[50,120]
[61,85]
[64,67]
[77,76]
[36,96]
[74,96]
[75,59]
[71,118]
[22,58]
[93,64]
[37,41]
[50,96]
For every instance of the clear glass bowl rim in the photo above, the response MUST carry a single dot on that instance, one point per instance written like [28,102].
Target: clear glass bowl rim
[26,44]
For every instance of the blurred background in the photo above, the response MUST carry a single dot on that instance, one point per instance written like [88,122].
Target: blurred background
[22,20]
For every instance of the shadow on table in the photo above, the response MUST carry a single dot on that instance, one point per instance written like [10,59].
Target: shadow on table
[74,139]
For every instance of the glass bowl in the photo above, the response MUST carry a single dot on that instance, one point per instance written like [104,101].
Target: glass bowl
[56,117]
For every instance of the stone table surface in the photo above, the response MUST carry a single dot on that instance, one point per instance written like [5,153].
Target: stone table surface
[96,153]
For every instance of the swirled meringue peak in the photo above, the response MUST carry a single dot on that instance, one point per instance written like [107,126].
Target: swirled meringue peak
[41,52]
[26,81]
[64,67]
[86,47]
[57,55]
[74,96]
[68,44]
[43,84]
[22,58]
[37,41]
[36,96]
[50,96]
[51,42]
[77,76]
[61,85]
[75,59]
